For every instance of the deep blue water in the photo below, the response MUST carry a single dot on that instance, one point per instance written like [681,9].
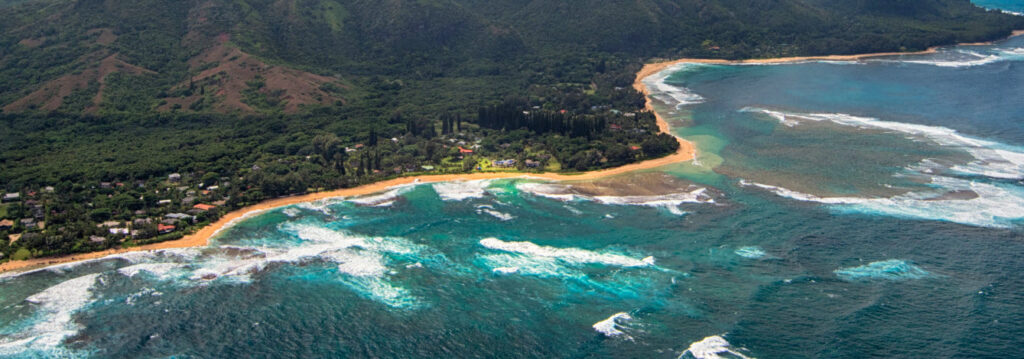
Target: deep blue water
[836,210]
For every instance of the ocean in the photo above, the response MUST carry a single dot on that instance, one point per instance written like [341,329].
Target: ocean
[848,209]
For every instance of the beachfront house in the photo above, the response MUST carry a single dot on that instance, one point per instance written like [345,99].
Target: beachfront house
[505,163]
[6,224]
[164,228]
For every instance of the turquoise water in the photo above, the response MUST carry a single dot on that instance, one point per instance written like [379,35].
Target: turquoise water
[837,210]
[1014,6]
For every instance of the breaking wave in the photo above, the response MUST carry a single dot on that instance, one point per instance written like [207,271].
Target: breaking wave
[963,57]
[893,269]
[53,320]
[669,94]
[571,255]
[670,201]
[986,199]
[487,209]
[381,199]
[750,252]
[713,347]
[611,327]
[461,190]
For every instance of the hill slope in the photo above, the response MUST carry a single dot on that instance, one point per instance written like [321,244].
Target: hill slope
[281,55]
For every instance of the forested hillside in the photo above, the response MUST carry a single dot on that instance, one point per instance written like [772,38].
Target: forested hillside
[277,56]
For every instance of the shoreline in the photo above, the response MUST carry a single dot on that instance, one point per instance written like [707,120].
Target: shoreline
[202,237]
[656,67]
[687,152]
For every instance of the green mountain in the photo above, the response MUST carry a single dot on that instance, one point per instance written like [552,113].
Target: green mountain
[255,56]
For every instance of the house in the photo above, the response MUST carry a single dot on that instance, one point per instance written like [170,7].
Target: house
[629,114]
[212,188]
[255,168]
[11,197]
[532,163]
[48,189]
[163,202]
[118,231]
[188,200]
[109,224]
[177,216]
[615,127]
[634,148]
[463,150]
[97,239]
[138,222]
[204,207]
[174,177]
[505,163]
[164,229]
[6,224]
[28,222]
[427,168]
[38,212]
[106,185]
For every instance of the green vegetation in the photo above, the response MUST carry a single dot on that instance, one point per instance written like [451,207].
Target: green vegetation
[254,99]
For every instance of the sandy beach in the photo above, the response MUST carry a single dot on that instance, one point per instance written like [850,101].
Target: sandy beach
[687,152]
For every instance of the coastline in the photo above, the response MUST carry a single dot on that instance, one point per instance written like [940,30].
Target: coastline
[653,68]
[686,152]
[202,237]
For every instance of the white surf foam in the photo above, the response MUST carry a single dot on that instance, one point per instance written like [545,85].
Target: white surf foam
[507,264]
[487,209]
[713,347]
[750,252]
[892,269]
[322,205]
[547,190]
[670,201]
[380,199]
[573,255]
[611,327]
[160,270]
[958,57]
[997,205]
[669,94]
[290,211]
[56,305]
[358,264]
[461,190]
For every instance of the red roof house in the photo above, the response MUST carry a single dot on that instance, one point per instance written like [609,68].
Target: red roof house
[164,228]
[204,207]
